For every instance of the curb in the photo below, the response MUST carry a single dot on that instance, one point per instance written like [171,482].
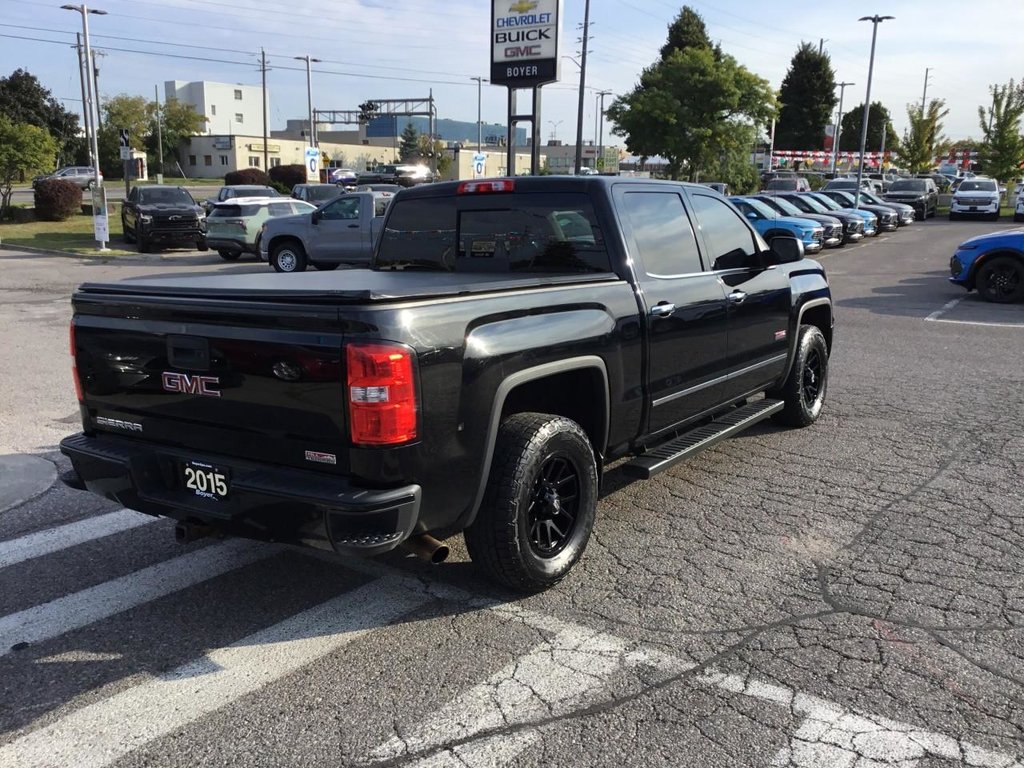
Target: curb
[93,257]
[22,478]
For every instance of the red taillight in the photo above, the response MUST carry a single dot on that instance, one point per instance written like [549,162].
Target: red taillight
[238,223]
[382,405]
[483,187]
[74,363]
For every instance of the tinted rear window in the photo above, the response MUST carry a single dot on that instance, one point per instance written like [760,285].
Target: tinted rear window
[909,185]
[222,211]
[551,232]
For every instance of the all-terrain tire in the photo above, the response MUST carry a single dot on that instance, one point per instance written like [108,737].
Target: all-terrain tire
[538,508]
[807,383]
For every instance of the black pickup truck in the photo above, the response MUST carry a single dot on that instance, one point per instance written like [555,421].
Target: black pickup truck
[512,338]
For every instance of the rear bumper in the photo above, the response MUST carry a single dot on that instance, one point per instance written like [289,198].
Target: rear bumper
[227,244]
[269,503]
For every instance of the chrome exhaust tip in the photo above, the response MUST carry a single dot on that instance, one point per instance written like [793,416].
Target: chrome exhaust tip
[427,548]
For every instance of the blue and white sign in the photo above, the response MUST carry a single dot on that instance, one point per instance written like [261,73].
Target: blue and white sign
[479,164]
[312,164]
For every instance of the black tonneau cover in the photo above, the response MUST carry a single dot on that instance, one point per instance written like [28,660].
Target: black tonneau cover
[349,286]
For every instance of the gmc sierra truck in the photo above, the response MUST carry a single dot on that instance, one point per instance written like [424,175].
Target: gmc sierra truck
[511,339]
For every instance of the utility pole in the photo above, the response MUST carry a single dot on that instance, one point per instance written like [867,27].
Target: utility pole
[266,149]
[924,94]
[583,83]
[821,45]
[159,137]
[839,125]
[875,21]
[600,140]
[96,88]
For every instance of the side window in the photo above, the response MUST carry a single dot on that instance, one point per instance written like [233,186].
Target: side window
[730,242]
[663,233]
[280,209]
[343,208]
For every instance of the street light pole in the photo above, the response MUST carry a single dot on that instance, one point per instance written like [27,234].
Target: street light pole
[97,177]
[839,126]
[875,21]
[479,124]
[309,95]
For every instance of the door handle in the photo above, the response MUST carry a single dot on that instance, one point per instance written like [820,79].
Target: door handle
[737,297]
[353,226]
[664,309]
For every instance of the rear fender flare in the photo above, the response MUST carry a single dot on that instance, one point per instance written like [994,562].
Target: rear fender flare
[518,379]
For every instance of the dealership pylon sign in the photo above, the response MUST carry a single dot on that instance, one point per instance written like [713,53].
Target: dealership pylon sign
[525,37]
[525,42]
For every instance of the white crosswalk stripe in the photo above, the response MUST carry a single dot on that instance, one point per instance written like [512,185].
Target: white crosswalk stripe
[102,733]
[80,609]
[55,539]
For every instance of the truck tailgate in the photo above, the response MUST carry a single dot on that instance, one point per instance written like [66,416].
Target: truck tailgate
[250,379]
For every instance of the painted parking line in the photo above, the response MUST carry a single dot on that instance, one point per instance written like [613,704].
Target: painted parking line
[55,539]
[944,308]
[87,606]
[102,733]
[937,317]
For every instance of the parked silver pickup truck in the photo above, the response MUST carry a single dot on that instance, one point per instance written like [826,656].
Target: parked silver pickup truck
[342,231]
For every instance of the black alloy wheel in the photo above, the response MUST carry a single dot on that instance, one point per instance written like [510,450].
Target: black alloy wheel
[554,503]
[1001,280]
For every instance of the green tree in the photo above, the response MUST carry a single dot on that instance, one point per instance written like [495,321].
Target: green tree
[923,139]
[1002,149]
[688,107]
[807,97]
[734,166]
[687,31]
[853,122]
[23,99]
[408,143]
[178,121]
[25,149]
[134,113]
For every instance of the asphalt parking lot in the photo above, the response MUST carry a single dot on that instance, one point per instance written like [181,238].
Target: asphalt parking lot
[851,594]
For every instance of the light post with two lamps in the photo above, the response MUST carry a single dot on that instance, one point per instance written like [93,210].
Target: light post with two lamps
[309,95]
[479,123]
[92,119]
[875,21]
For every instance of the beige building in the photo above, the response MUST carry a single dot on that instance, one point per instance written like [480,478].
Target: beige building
[210,157]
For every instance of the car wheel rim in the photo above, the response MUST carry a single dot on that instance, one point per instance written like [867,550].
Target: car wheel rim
[810,385]
[286,261]
[553,506]
[1004,282]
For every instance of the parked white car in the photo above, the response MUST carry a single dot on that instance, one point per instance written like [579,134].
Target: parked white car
[976,197]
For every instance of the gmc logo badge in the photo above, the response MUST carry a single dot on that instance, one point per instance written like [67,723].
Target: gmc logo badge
[190,385]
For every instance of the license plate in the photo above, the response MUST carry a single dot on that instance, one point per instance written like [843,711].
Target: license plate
[205,480]
[974,207]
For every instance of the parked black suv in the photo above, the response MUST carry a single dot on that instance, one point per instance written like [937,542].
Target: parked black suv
[161,215]
[920,193]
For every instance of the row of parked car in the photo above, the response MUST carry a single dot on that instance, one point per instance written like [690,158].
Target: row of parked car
[232,222]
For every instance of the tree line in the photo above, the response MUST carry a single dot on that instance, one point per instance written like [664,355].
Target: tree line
[706,114]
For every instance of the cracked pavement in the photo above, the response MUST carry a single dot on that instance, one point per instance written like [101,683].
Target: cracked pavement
[848,595]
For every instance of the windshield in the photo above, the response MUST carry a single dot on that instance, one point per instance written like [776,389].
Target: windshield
[168,196]
[787,184]
[551,232]
[322,194]
[828,202]
[909,185]
[841,196]
[872,199]
[978,186]
[785,206]
[760,206]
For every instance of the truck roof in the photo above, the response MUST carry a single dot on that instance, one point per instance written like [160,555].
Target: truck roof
[541,184]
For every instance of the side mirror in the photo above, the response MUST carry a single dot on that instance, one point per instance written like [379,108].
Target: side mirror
[785,250]
[752,216]
[315,216]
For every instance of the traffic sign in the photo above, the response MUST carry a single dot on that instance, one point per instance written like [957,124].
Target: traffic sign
[312,164]
[126,153]
[122,137]
[479,164]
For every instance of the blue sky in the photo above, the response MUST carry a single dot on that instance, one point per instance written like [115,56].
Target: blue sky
[402,48]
